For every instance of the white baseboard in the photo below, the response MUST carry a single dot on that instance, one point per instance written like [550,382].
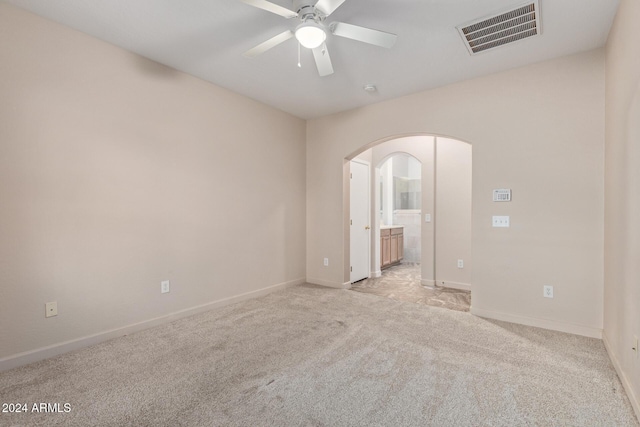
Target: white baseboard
[322,282]
[42,353]
[553,325]
[454,285]
[376,274]
[631,394]
[427,282]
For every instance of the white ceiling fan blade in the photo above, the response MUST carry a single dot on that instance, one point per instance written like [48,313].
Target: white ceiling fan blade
[323,61]
[328,6]
[272,42]
[362,34]
[270,7]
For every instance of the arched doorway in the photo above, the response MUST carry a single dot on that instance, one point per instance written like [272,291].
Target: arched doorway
[436,220]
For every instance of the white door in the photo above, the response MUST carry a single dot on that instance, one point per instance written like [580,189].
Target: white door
[360,227]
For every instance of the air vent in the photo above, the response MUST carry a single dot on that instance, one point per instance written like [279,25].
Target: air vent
[507,27]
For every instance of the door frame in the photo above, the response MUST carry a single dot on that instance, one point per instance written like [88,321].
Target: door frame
[368,206]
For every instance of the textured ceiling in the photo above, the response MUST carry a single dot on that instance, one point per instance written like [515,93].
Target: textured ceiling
[206,38]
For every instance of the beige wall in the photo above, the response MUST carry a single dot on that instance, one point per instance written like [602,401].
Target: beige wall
[622,189]
[538,130]
[453,213]
[117,173]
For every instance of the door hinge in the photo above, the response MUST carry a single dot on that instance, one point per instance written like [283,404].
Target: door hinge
[351,269]
[351,176]
[350,222]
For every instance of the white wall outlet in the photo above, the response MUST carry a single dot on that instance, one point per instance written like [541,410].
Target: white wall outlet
[500,221]
[51,309]
[547,291]
[326,262]
[165,285]
[635,346]
[460,263]
[427,217]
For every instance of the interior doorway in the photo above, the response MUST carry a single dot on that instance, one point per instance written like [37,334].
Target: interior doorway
[420,188]
[400,206]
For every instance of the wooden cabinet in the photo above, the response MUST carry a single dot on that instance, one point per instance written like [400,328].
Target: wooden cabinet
[391,245]
[394,248]
[385,248]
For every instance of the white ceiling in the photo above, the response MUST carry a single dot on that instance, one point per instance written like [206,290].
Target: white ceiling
[206,38]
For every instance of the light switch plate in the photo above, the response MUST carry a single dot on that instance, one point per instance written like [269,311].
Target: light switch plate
[500,221]
[165,285]
[427,217]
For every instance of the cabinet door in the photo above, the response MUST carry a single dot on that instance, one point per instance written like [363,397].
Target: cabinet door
[400,246]
[394,249]
[385,251]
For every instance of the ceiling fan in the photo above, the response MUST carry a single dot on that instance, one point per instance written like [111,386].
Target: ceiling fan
[311,32]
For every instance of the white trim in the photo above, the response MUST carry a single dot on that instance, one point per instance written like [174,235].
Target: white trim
[42,353]
[553,325]
[633,398]
[376,274]
[454,285]
[428,282]
[328,284]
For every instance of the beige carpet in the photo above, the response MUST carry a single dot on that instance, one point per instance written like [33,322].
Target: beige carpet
[402,282]
[312,356]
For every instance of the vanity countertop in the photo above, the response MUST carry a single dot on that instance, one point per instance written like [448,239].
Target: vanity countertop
[388,227]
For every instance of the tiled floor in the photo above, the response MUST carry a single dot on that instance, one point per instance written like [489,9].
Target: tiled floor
[402,283]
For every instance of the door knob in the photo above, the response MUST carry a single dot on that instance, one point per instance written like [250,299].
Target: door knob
[366,227]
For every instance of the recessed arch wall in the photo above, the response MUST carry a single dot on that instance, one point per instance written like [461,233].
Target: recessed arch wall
[421,149]
[446,198]
[538,130]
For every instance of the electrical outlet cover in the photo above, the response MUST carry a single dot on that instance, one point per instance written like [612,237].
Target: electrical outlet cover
[51,309]
[547,291]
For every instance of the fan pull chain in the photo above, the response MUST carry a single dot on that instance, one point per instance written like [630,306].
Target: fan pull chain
[299,64]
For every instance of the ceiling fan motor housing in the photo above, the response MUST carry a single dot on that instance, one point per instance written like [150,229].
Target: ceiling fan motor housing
[306,10]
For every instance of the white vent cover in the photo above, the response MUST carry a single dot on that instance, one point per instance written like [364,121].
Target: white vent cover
[498,30]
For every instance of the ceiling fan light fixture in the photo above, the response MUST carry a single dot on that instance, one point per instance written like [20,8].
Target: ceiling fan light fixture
[310,34]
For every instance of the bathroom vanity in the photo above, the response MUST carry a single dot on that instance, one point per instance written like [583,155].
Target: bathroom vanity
[391,245]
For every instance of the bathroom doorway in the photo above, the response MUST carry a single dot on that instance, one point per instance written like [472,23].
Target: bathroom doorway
[421,197]
[399,202]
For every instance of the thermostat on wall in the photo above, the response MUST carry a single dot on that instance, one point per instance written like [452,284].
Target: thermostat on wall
[502,195]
